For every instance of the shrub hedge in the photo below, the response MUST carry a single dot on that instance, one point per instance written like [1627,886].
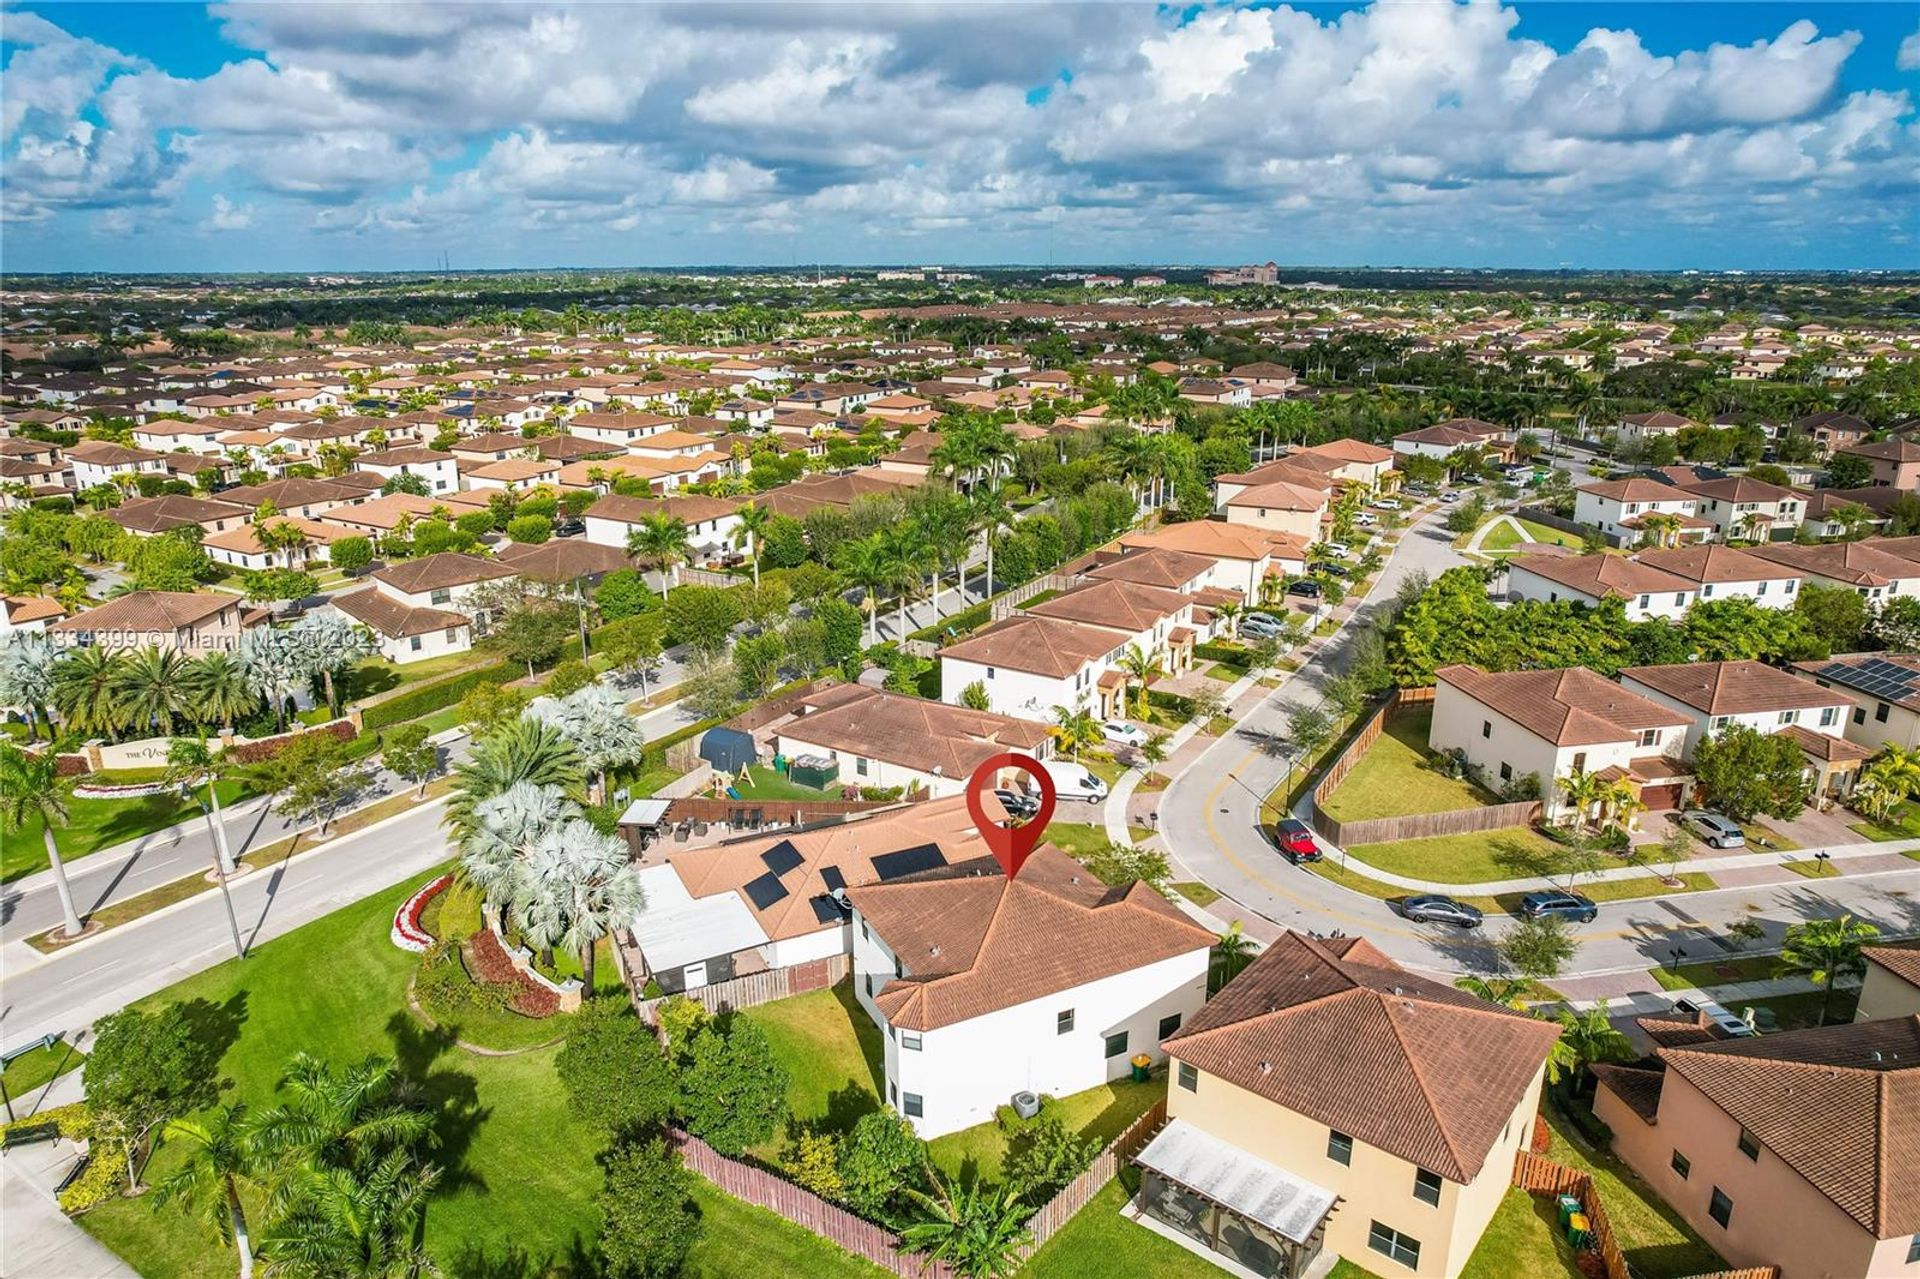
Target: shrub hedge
[439,695]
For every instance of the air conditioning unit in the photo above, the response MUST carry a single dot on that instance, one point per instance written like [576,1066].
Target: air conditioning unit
[1026,1104]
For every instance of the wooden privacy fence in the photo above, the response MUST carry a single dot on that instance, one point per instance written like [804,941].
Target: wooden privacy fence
[759,988]
[1106,1165]
[1458,821]
[767,812]
[803,1208]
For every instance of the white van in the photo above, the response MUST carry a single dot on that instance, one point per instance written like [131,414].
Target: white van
[1073,781]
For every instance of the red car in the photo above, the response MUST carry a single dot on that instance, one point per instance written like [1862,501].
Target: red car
[1295,839]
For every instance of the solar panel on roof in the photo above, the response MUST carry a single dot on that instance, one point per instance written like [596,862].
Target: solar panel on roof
[825,910]
[833,877]
[908,861]
[782,857]
[766,890]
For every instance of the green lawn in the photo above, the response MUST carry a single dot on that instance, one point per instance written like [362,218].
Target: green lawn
[1796,1012]
[95,824]
[1658,1243]
[1197,893]
[767,784]
[1352,877]
[1077,838]
[1715,972]
[1523,1241]
[1094,1244]
[739,1239]
[1551,536]
[377,675]
[26,1075]
[832,1052]
[520,1168]
[1903,824]
[1392,779]
[1465,859]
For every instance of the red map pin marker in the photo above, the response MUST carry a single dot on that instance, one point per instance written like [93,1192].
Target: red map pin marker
[1011,845]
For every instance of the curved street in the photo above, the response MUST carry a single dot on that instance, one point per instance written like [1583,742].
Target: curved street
[1209,819]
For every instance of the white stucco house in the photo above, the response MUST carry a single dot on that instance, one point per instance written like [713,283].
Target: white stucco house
[1727,572]
[1030,664]
[1620,509]
[439,470]
[1048,983]
[1646,591]
[888,739]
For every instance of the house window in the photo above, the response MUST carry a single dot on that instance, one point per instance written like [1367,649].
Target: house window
[910,1041]
[1706,592]
[1829,716]
[1913,1250]
[1506,772]
[441,597]
[1721,721]
[1880,713]
[1679,599]
[413,645]
[989,672]
[1787,717]
[860,765]
[911,1105]
[893,1093]
[1189,1076]
[1758,593]
[1650,737]
[453,634]
[1168,1024]
[1339,1147]
[1720,1208]
[1486,728]
[1681,1165]
[1859,714]
[1749,1145]
[1391,1243]
[1645,600]
[1063,1023]
[1426,1186]
[1116,1044]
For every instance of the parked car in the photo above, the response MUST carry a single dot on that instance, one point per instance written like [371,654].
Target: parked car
[1017,803]
[1387,504]
[1263,619]
[1073,781]
[1294,838]
[1419,490]
[1118,730]
[1337,548]
[1569,906]
[1713,1015]
[1364,520]
[1439,908]
[1331,570]
[1305,589]
[1449,497]
[1261,630]
[1713,829]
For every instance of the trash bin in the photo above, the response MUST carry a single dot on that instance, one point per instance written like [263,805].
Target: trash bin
[1142,1068]
[1569,1204]
[1579,1231]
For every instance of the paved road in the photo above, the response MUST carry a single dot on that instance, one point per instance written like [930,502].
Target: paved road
[1209,816]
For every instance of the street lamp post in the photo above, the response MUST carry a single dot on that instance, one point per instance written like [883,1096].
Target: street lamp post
[1674,955]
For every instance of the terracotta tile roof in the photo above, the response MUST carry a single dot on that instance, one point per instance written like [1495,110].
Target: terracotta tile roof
[974,942]
[1038,645]
[1292,469]
[150,611]
[1887,450]
[1349,451]
[1153,567]
[107,453]
[1733,688]
[440,571]
[1281,497]
[417,455]
[1701,564]
[171,511]
[1739,488]
[1636,488]
[246,538]
[1220,540]
[1840,1105]
[1572,707]
[1902,961]
[374,607]
[563,559]
[1833,750]
[1661,420]
[1125,606]
[21,609]
[1446,436]
[1602,576]
[1674,1031]
[1855,563]
[382,512]
[928,737]
[1638,1086]
[1345,1036]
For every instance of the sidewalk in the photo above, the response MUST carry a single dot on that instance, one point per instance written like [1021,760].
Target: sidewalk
[39,1238]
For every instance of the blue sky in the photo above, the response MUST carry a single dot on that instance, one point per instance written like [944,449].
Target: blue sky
[313,138]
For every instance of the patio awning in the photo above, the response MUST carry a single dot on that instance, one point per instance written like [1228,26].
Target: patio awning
[644,812]
[676,928]
[1243,1184]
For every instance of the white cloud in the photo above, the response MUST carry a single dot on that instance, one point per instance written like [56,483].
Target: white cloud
[228,216]
[1908,58]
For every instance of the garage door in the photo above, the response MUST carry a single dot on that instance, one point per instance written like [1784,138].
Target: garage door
[1659,797]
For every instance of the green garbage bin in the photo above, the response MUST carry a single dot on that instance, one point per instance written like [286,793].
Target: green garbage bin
[1569,1204]
[1579,1231]
[1142,1068]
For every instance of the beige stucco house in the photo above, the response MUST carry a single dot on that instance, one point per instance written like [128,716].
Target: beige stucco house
[1891,987]
[1793,1150]
[1329,1099]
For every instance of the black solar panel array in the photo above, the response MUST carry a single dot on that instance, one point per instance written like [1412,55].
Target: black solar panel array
[826,911]
[782,857]
[766,890]
[833,877]
[908,861]
[1886,680]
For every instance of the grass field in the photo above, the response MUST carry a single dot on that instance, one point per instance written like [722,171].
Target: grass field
[94,824]
[1903,824]
[1465,859]
[1392,779]
[767,784]
[1197,893]
[1715,972]
[1658,1243]
[1354,878]
[32,1071]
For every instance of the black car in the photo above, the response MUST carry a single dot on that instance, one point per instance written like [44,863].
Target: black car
[1440,909]
[1304,589]
[569,528]
[1570,906]
[1331,570]
[1016,804]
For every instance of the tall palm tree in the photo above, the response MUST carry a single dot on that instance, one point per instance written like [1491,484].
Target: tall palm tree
[869,566]
[150,689]
[1621,803]
[595,720]
[1663,527]
[753,520]
[215,687]
[1896,770]
[357,1224]
[1140,666]
[1508,992]
[580,885]
[1076,728]
[905,552]
[30,789]
[665,542]
[85,690]
[523,750]
[1585,1037]
[26,677]
[1827,949]
[222,1163]
[329,643]
[1583,790]
[190,762]
[1755,525]
[992,516]
[506,829]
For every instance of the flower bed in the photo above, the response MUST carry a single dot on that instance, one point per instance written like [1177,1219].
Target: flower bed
[407,933]
[492,963]
[130,790]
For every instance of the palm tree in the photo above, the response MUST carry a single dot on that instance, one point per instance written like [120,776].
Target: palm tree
[1755,525]
[150,689]
[1508,992]
[505,830]
[524,750]
[85,689]
[29,790]
[992,516]
[905,553]
[753,520]
[1895,771]
[1583,791]
[1076,728]
[869,566]
[274,667]
[665,542]
[211,1179]
[1585,1037]
[357,1225]
[190,762]
[1621,802]
[1233,952]
[216,692]
[281,537]
[1662,527]
[1826,949]
[595,720]
[979,1232]
[1140,666]
[328,643]
[579,886]
[26,677]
